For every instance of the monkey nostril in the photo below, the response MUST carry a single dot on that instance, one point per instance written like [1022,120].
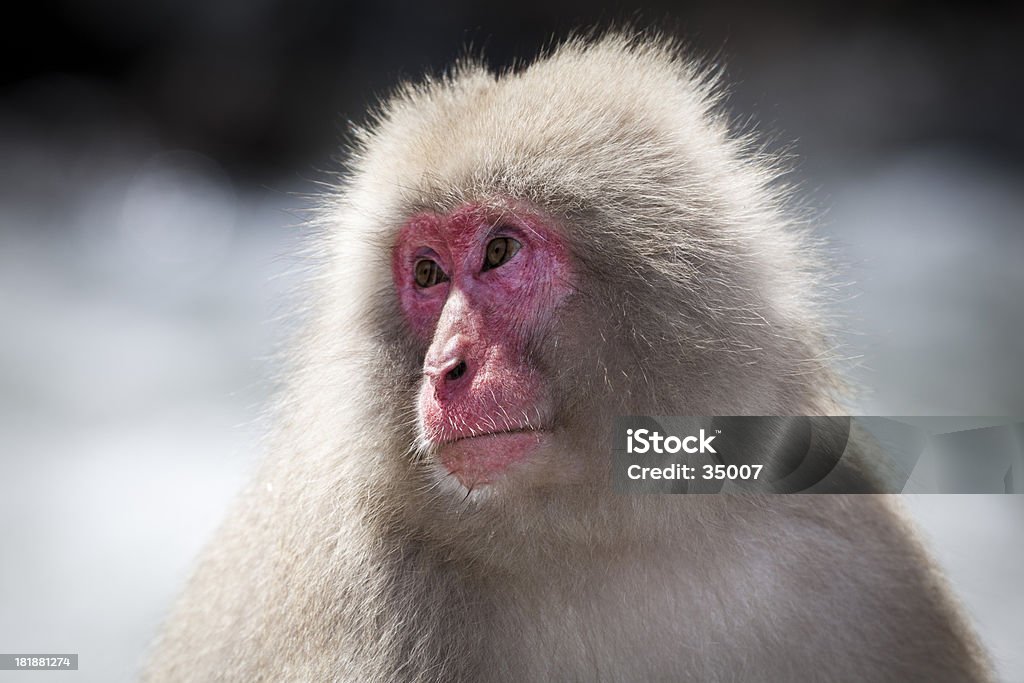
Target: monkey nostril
[456,372]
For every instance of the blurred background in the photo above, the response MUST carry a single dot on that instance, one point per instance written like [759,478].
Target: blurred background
[155,164]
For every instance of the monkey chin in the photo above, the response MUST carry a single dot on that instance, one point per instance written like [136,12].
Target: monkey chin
[482,460]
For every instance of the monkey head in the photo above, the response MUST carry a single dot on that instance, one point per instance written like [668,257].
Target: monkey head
[532,261]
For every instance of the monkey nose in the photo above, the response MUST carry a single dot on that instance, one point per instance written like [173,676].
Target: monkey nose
[458,371]
[448,361]
[446,373]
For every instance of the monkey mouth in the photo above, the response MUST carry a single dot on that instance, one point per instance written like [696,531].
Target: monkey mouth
[479,459]
[481,435]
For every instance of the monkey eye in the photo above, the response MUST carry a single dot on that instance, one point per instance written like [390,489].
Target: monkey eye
[427,273]
[499,251]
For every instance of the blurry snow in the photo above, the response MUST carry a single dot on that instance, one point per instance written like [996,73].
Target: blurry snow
[138,320]
[140,306]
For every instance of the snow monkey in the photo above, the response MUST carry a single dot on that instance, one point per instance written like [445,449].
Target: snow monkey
[511,261]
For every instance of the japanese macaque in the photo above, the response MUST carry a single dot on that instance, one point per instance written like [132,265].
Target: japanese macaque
[511,261]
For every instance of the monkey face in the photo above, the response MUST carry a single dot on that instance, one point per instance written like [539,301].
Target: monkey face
[478,288]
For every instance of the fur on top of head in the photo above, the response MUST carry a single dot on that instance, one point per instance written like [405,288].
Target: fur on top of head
[623,139]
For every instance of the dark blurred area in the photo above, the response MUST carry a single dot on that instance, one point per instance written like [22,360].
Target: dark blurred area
[155,159]
[265,87]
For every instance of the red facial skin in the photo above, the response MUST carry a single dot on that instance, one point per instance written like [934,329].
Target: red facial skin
[494,413]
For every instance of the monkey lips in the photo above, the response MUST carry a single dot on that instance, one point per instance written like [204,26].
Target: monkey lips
[482,459]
